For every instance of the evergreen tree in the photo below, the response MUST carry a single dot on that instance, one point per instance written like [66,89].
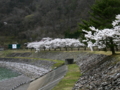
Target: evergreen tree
[102,14]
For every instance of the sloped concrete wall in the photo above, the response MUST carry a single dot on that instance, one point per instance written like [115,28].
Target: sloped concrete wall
[48,81]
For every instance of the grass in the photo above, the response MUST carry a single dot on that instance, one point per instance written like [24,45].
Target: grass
[70,78]
[117,55]
[103,52]
[6,52]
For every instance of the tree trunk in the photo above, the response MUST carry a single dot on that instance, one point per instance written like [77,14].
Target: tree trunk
[116,47]
[60,48]
[85,48]
[112,46]
[44,48]
[112,49]
[66,48]
[105,49]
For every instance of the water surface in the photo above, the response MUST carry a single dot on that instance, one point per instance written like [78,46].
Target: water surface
[7,73]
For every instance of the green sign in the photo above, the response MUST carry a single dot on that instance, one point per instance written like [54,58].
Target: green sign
[14,46]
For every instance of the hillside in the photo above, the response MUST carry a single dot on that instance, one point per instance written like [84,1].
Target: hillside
[34,19]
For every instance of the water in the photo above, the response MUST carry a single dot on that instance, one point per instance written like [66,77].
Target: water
[7,73]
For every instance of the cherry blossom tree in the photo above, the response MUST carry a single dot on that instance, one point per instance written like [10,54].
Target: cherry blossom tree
[104,38]
[49,43]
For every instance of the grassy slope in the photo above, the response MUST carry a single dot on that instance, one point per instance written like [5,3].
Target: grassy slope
[70,78]
[117,55]
[6,52]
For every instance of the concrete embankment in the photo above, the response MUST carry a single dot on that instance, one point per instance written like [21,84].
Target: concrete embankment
[33,77]
[48,81]
[55,55]
[28,70]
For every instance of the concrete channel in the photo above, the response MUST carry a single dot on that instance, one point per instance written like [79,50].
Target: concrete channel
[46,82]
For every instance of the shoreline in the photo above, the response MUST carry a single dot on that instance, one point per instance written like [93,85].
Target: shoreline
[28,73]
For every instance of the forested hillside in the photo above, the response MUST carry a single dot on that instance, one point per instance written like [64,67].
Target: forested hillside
[28,20]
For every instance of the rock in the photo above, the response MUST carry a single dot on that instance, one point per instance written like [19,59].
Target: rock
[99,71]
